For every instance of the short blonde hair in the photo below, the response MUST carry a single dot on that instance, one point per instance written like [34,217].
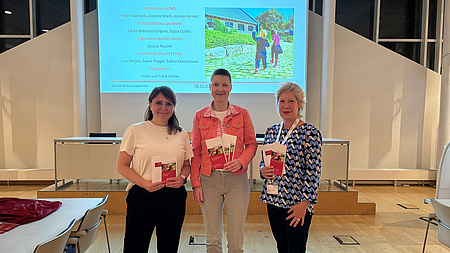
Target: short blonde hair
[263,33]
[298,93]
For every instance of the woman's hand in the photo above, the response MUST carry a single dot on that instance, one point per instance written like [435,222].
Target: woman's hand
[152,187]
[198,195]
[123,167]
[175,182]
[233,166]
[268,172]
[297,213]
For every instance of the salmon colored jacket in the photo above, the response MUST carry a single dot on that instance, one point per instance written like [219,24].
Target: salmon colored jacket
[237,123]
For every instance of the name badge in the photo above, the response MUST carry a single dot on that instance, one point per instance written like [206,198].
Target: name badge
[272,187]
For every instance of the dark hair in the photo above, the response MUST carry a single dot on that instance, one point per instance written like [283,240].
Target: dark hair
[221,72]
[174,124]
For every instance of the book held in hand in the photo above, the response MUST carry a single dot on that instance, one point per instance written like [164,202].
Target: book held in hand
[164,167]
[216,152]
[267,154]
[229,142]
[226,148]
[277,157]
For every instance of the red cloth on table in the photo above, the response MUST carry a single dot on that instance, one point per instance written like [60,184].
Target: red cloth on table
[23,211]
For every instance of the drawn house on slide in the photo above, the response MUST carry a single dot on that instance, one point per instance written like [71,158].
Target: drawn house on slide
[235,18]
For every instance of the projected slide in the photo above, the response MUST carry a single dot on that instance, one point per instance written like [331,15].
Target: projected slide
[144,44]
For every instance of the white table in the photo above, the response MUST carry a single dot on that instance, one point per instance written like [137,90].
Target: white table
[86,158]
[335,160]
[25,238]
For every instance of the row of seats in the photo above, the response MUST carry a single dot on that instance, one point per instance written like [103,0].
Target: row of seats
[79,240]
[441,214]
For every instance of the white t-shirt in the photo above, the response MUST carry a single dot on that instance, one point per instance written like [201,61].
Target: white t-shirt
[144,140]
[221,115]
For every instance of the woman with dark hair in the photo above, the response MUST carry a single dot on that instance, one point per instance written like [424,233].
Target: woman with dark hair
[276,47]
[228,185]
[291,197]
[151,202]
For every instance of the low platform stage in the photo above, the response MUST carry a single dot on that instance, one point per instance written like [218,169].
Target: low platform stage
[333,198]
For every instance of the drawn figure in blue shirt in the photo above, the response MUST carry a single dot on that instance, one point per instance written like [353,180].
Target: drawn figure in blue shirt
[261,53]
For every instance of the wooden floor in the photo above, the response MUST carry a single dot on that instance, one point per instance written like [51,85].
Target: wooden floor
[392,229]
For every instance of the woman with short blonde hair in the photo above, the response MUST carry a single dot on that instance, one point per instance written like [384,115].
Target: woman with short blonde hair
[290,198]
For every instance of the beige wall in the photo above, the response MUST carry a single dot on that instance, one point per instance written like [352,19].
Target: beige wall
[36,100]
[385,104]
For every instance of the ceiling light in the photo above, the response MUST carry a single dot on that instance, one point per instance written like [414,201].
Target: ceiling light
[45,30]
[8,12]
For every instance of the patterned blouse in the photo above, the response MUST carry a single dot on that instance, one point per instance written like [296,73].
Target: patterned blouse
[302,165]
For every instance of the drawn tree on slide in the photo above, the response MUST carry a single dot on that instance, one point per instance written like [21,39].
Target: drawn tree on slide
[271,19]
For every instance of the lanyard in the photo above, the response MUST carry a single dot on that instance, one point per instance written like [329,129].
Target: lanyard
[289,133]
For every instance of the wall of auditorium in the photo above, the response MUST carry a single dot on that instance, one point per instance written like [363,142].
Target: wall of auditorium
[384,103]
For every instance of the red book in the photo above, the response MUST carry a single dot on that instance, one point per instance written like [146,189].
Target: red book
[169,169]
[164,167]
[216,153]
[277,158]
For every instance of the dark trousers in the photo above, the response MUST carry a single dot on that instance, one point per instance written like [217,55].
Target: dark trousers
[163,209]
[289,239]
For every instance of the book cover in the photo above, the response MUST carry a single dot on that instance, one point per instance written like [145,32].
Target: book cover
[277,158]
[231,142]
[169,169]
[164,167]
[226,148]
[267,154]
[216,153]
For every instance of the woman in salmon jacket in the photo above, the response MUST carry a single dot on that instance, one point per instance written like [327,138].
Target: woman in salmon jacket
[228,184]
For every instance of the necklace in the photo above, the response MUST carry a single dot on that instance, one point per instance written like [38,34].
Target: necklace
[157,128]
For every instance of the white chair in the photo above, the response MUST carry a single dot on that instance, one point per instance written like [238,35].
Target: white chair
[56,244]
[443,177]
[442,216]
[104,214]
[81,239]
